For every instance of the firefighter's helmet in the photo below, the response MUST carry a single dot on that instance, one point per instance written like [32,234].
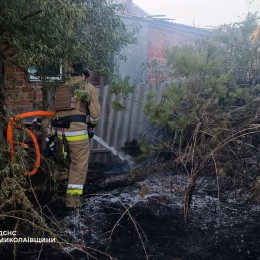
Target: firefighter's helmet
[78,69]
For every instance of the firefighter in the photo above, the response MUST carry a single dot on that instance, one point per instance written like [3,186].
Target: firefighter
[77,110]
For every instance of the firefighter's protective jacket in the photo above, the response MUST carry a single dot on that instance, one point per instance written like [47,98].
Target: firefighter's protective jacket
[68,102]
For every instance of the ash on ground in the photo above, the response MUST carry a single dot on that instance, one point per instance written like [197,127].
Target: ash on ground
[145,221]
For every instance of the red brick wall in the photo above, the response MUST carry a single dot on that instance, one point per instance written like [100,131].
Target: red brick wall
[21,96]
[160,37]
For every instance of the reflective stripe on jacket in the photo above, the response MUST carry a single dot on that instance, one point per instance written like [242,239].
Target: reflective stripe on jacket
[74,136]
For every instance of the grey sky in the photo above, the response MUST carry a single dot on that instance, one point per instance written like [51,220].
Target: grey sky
[201,13]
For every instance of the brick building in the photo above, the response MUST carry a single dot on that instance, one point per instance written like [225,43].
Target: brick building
[156,34]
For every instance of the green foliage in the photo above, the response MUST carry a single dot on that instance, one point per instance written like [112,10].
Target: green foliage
[81,94]
[45,32]
[146,148]
[186,61]
[213,92]
[118,106]
[207,78]
[210,107]
[121,87]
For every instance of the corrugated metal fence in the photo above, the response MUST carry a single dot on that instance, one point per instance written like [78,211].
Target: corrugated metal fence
[118,127]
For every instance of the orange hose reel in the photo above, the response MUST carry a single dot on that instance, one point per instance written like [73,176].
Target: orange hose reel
[14,122]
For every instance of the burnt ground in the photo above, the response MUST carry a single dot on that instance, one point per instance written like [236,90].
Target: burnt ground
[145,221]
[152,225]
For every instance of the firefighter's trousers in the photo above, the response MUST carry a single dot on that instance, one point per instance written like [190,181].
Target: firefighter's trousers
[79,151]
[79,156]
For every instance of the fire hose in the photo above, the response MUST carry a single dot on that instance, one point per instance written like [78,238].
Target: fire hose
[15,122]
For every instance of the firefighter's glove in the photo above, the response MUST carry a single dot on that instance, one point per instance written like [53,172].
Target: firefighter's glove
[91,133]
